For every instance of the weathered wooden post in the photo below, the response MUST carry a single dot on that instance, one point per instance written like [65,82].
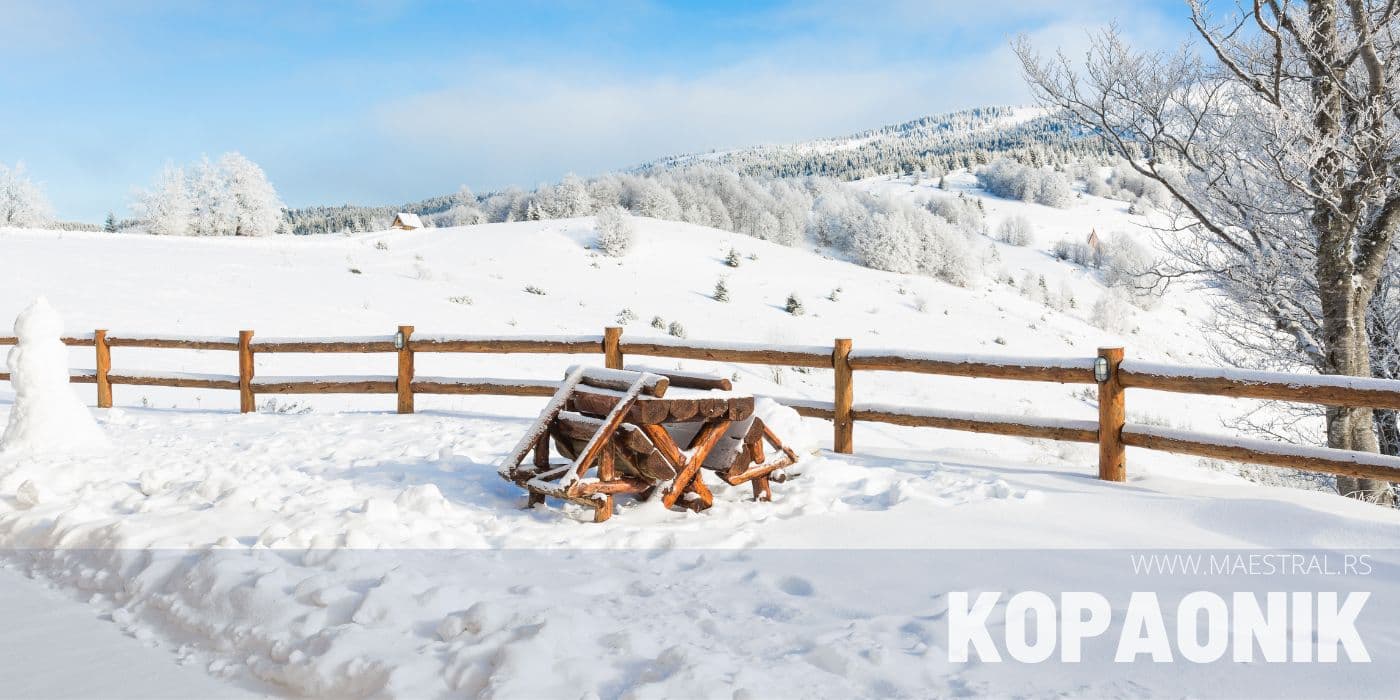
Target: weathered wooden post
[104,367]
[404,384]
[844,439]
[1112,414]
[246,402]
[612,347]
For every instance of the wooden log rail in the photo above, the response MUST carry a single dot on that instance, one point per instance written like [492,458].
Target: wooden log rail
[1109,370]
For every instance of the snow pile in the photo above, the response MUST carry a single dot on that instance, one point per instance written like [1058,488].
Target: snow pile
[47,417]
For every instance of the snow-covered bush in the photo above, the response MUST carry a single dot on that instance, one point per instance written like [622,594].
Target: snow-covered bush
[22,203]
[615,231]
[1077,252]
[1126,265]
[794,305]
[1008,179]
[1114,312]
[230,197]
[961,212]
[465,211]
[676,329]
[1016,230]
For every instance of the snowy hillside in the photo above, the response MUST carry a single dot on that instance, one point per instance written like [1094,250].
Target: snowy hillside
[289,551]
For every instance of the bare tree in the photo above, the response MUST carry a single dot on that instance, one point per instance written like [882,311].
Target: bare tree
[1278,141]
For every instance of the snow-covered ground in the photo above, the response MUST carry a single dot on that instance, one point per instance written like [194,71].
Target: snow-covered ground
[332,548]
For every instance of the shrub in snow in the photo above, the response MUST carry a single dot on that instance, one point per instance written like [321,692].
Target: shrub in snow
[1128,265]
[794,305]
[46,416]
[462,299]
[961,212]
[732,259]
[532,289]
[676,329]
[1016,231]
[835,295]
[625,317]
[1114,312]
[721,290]
[615,231]
[1008,179]
[658,323]
[1077,252]
[22,203]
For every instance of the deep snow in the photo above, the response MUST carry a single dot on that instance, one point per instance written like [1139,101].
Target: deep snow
[325,546]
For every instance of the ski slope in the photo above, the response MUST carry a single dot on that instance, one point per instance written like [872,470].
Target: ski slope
[327,547]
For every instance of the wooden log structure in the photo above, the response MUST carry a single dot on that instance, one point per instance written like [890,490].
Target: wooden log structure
[563,345]
[1112,415]
[487,387]
[325,385]
[375,344]
[403,382]
[176,379]
[246,401]
[688,380]
[843,423]
[1275,454]
[104,368]
[731,352]
[612,350]
[1061,370]
[172,343]
[1325,390]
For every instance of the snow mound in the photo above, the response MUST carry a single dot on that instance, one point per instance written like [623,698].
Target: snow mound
[47,417]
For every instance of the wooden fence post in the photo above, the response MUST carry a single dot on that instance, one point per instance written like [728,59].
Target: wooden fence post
[612,347]
[1112,414]
[844,439]
[404,385]
[246,402]
[104,367]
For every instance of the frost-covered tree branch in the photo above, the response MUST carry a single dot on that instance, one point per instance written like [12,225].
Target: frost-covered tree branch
[1280,144]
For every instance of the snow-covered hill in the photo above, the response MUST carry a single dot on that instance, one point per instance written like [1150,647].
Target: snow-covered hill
[287,547]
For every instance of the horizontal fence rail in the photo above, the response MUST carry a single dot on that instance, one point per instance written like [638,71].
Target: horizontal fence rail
[1108,370]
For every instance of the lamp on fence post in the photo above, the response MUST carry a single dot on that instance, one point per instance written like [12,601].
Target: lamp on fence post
[1112,415]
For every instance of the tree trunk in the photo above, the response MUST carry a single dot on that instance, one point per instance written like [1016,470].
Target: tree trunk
[1349,354]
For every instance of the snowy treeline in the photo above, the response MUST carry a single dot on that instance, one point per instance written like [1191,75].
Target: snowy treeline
[889,235]
[931,146]
[1009,179]
[228,197]
[22,203]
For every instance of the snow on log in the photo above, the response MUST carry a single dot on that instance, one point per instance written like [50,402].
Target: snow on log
[1065,370]
[755,353]
[622,380]
[326,384]
[1327,390]
[158,340]
[1276,454]
[992,423]
[511,464]
[488,386]
[545,344]
[810,408]
[687,380]
[363,343]
[190,380]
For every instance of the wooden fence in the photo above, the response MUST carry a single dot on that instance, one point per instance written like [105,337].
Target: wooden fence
[1109,371]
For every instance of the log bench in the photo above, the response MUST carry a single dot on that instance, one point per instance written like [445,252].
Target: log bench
[641,429]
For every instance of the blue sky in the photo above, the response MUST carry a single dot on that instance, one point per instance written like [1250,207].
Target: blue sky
[381,102]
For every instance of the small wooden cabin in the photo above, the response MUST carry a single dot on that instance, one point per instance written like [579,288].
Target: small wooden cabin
[404,221]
